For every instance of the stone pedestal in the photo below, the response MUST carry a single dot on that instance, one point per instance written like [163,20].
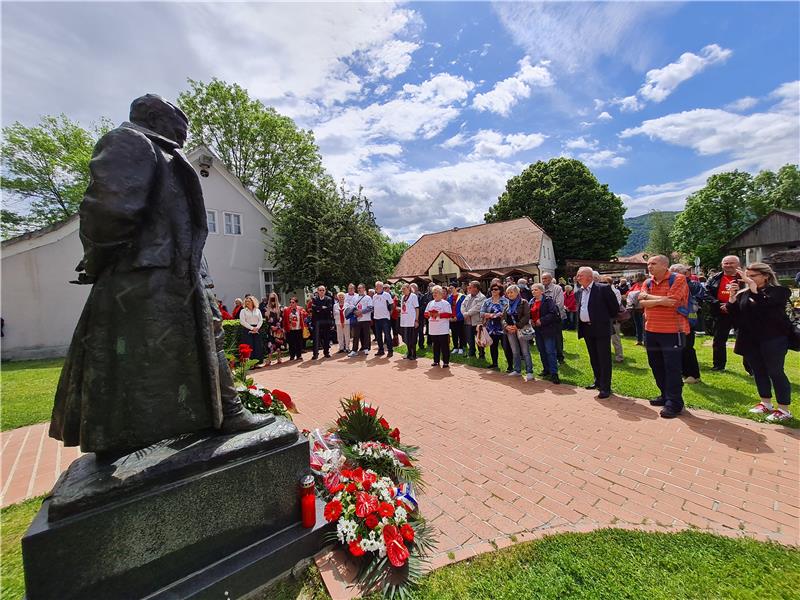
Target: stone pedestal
[195,517]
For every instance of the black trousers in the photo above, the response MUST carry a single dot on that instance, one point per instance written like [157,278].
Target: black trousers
[664,353]
[423,326]
[441,347]
[361,333]
[508,353]
[294,337]
[494,349]
[457,331]
[322,337]
[722,326]
[560,343]
[410,340]
[254,341]
[689,365]
[600,357]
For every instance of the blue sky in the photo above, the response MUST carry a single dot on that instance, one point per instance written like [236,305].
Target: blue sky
[433,106]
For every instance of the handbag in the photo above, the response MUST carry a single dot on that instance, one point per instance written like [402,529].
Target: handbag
[526,333]
[482,337]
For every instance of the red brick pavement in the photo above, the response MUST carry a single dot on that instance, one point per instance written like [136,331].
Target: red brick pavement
[508,461]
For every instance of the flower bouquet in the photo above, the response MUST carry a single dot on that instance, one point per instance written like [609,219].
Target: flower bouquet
[258,399]
[380,526]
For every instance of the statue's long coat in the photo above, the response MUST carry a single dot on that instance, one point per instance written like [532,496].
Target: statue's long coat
[142,364]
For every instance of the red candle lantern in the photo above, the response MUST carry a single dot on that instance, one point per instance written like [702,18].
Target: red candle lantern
[308,502]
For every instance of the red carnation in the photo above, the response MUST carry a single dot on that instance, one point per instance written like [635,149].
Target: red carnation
[395,435]
[267,400]
[357,475]
[407,531]
[395,547]
[355,547]
[350,488]
[245,351]
[386,510]
[369,479]
[370,411]
[333,510]
[365,504]
[371,521]
[285,398]
[384,423]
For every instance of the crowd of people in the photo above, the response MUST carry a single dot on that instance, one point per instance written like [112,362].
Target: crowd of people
[665,308]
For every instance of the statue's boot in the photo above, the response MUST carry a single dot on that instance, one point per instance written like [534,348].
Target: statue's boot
[245,421]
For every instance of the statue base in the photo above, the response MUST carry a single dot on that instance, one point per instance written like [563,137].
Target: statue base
[200,516]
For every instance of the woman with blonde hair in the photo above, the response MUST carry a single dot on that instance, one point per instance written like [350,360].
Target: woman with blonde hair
[275,336]
[758,307]
[340,318]
[251,320]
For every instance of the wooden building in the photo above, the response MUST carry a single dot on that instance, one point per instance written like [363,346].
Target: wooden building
[773,239]
[516,248]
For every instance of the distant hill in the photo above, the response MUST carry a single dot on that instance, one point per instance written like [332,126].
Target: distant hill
[640,232]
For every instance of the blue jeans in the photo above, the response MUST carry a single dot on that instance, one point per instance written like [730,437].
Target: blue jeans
[383,332]
[520,348]
[766,361]
[547,353]
[665,355]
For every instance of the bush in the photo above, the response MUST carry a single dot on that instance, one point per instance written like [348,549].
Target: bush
[231,329]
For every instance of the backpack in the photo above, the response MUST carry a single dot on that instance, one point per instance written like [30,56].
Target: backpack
[692,302]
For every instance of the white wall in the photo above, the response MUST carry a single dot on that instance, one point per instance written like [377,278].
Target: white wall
[234,261]
[39,305]
[547,257]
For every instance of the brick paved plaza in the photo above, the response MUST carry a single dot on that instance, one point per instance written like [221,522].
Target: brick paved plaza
[506,458]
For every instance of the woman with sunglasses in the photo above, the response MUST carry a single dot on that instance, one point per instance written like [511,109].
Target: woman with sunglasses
[492,314]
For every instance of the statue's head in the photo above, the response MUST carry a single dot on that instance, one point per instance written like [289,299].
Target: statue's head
[153,112]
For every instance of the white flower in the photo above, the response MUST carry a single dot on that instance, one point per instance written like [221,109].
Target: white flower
[241,388]
[400,514]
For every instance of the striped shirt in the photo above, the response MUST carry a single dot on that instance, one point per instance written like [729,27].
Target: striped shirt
[667,319]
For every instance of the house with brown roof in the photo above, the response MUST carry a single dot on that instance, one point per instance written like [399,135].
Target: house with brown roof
[516,248]
[773,239]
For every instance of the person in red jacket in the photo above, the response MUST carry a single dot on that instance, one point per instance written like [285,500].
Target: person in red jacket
[294,317]
[237,308]
[226,316]
[570,306]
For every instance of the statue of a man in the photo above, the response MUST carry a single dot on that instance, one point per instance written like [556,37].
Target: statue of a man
[143,365]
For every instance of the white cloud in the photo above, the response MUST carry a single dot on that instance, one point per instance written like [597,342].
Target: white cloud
[604,116]
[599,104]
[627,104]
[418,112]
[575,35]
[764,140]
[382,89]
[742,104]
[456,141]
[489,143]
[660,83]
[508,92]
[389,59]
[580,143]
[602,158]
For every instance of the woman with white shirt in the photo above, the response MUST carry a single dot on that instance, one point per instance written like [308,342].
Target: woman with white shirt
[342,322]
[438,314]
[251,320]
[409,320]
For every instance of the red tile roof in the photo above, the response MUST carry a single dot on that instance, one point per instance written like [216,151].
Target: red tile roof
[502,246]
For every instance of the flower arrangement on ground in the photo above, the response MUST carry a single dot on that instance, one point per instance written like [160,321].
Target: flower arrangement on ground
[368,480]
[259,399]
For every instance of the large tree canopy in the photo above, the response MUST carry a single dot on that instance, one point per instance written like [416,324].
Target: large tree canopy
[660,239]
[583,218]
[326,236]
[45,171]
[727,205]
[265,150]
[712,216]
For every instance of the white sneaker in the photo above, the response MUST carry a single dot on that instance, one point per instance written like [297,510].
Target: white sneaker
[761,409]
[513,374]
[690,380]
[529,377]
[352,354]
[366,352]
[779,415]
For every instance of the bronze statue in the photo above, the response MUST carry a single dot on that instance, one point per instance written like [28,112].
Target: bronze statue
[144,364]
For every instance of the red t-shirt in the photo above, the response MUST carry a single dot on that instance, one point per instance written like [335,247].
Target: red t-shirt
[723,295]
[536,305]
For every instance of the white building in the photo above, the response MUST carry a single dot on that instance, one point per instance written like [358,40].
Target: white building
[40,307]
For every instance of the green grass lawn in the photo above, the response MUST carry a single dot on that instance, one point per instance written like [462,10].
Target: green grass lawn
[14,521]
[27,389]
[731,392]
[612,564]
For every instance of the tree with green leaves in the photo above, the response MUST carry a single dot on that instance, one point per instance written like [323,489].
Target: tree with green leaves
[45,171]
[267,151]
[775,190]
[660,241]
[325,235]
[391,253]
[581,215]
[713,216]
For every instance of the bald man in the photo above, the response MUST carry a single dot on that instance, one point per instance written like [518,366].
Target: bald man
[718,293]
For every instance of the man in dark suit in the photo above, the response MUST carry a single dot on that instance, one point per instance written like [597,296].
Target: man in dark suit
[597,307]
